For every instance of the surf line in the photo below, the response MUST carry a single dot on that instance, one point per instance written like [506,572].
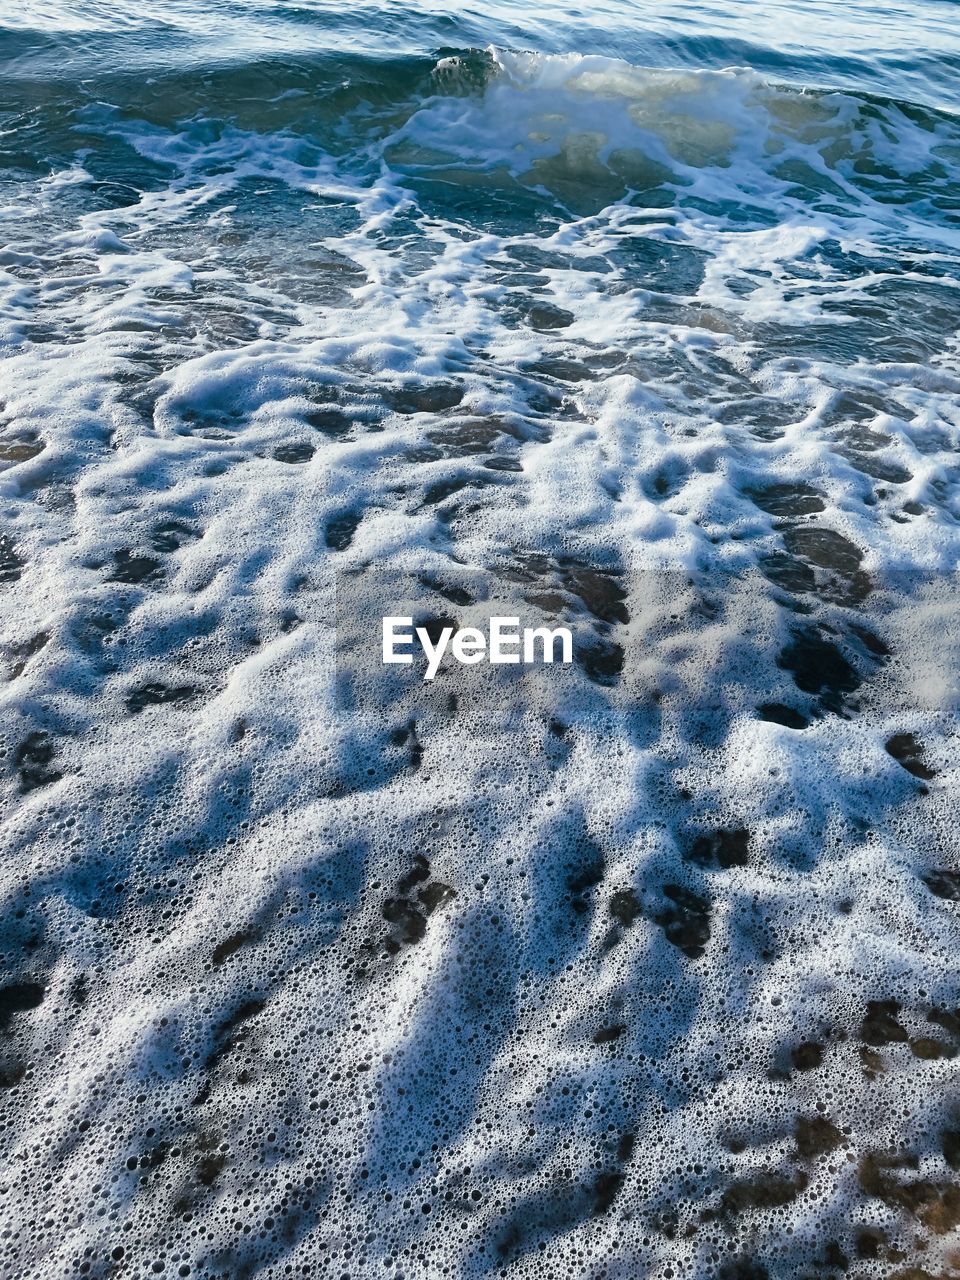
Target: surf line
[504,643]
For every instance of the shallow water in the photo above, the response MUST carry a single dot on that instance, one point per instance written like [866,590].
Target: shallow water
[642,320]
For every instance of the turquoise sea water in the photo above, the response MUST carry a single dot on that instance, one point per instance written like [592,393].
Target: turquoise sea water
[910,52]
[636,318]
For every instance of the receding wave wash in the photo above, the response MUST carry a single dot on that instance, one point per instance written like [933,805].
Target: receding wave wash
[634,322]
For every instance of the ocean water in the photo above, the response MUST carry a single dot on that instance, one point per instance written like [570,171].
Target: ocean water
[636,318]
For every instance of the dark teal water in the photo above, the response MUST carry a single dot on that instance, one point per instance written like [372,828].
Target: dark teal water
[909,52]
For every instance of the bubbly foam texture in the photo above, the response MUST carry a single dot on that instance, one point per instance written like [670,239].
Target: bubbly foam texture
[647,966]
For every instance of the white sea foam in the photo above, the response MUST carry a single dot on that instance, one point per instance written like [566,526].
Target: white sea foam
[641,963]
